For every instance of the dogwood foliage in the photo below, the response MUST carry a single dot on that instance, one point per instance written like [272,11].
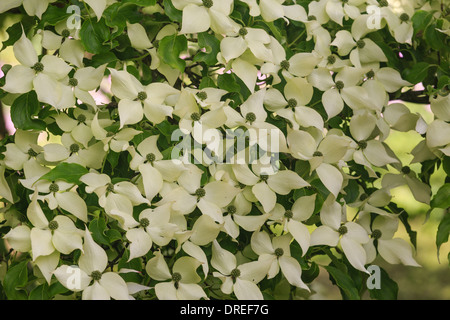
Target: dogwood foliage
[96,206]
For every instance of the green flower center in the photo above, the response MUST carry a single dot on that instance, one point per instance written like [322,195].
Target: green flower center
[65,33]
[32,153]
[208,3]
[96,275]
[279,252]
[196,116]
[81,118]
[312,18]
[243,32]
[38,67]
[288,214]
[110,187]
[176,277]
[292,103]
[406,170]
[340,85]
[151,157]
[342,230]
[53,225]
[231,209]
[264,177]
[285,65]
[250,117]
[144,222]
[370,74]
[360,44]
[331,59]
[202,95]
[74,148]
[235,273]
[200,193]
[142,95]
[362,144]
[53,187]
[404,17]
[317,154]
[383,3]
[376,234]
[73,82]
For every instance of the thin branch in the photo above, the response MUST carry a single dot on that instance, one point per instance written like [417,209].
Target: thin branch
[419,97]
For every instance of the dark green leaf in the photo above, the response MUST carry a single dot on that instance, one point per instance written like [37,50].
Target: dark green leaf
[417,73]
[388,288]
[40,293]
[70,172]
[23,111]
[434,38]
[421,19]
[443,231]
[442,197]
[344,282]
[173,13]
[211,45]
[170,49]
[93,35]
[16,30]
[98,227]
[227,81]
[53,15]
[143,3]
[16,278]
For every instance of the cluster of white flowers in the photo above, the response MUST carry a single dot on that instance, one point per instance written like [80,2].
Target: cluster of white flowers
[171,208]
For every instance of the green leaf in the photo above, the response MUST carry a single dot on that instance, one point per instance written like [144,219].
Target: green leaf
[443,231]
[93,35]
[207,82]
[417,73]
[434,38]
[442,197]
[15,279]
[23,111]
[227,81]
[446,165]
[97,227]
[16,30]
[388,288]
[211,45]
[40,293]
[53,15]
[69,172]
[170,49]
[309,275]
[144,3]
[344,282]
[173,13]
[421,19]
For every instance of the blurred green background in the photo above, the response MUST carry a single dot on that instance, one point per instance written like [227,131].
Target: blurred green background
[432,281]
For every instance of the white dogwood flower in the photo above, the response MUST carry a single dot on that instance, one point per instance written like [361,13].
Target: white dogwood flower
[41,75]
[278,253]
[153,227]
[239,279]
[94,281]
[137,100]
[382,230]
[265,186]
[32,7]
[183,284]
[350,235]
[200,15]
